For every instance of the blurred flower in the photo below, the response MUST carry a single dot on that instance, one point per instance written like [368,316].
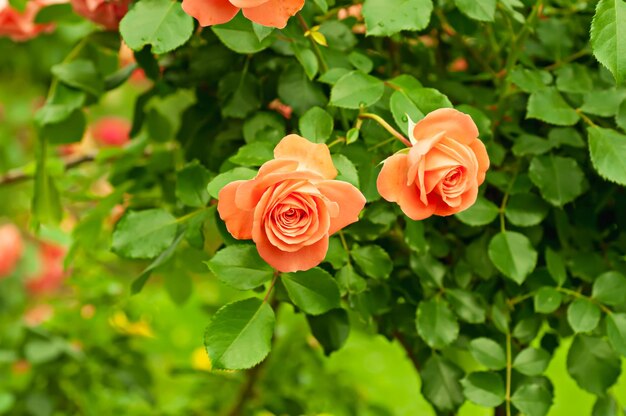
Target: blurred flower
[281,108]
[107,13]
[38,314]
[20,25]
[88,311]
[21,367]
[200,360]
[292,206]
[119,321]
[11,248]
[458,65]
[51,273]
[272,13]
[111,131]
[441,172]
[356,11]
[127,57]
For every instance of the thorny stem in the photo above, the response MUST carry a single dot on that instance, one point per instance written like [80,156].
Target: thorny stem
[269,290]
[344,243]
[387,127]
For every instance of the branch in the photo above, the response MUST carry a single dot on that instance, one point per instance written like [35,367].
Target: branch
[18,175]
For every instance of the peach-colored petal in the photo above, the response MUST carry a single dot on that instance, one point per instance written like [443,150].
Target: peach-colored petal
[210,12]
[411,204]
[274,13]
[304,259]
[247,3]
[455,124]
[467,200]
[417,153]
[313,157]
[392,180]
[482,157]
[350,200]
[238,222]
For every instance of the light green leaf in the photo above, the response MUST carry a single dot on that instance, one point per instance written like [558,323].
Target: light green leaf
[583,315]
[356,89]
[81,74]
[314,291]
[239,335]
[160,23]
[436,323]
[241,267]
[607,148]
[608,36]
[467,305]
[191,185]
[547,300]
[316,125]
[488,352]
[402,108]
[559,179]
[144,234]
[484,388]
[610,288]
[482,10]
[548,105]
[483,212]
[556,266]
[532,399]
[238,174]
[388,17]
[532,361]
[593,364]
[513,254]
[239,36]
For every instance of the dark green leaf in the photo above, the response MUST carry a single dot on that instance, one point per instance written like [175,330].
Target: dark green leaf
[331,329]
[610,288]
[532,361]
[593,364]
[241,267]
[484,389]
[144,234]
[373,261]
[436,323]
[314,291]
[488,352]
[513,254]
[355,90]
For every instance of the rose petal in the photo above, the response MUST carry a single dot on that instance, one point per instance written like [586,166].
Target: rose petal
[312,157]
[274,13]
[482,157]
[210,12]
[247,3]
[304,259]
[467,200]
[350,200]
[392,180]
[238,222]
[455,124]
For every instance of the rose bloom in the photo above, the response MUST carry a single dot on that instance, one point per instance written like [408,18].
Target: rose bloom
[51,274]
[441,172]
[292,206]
[111,131]
[272,13]
[11,247]
[20,25]
[107,13]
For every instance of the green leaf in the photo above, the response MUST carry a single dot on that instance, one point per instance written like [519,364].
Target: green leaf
[144,234]
[484,388]
[559,179]
[331,329]
[314,291]
[388,17]
[160,23]
[307,59]
[253,154]
[606,406]
[547,300]
[608,36]
[240,334]
[532,361]
[298,91]
[549,106]
[483,212]
[436,323]
[530,80]
[616,331]
[574,78]
[239,36]
[355,90]
[441,383]
[46,203]
[583,315]
[610,288]
[529,144]
[138,284]
[532,399]
[468,306]
[482,10]
[608,153]
[350,281]
[316,125]
[526,210]
[604,103]
[238,174]
[7,401]
[373,261]
[402,109]
[81,74]
[347,170]
[556,266]
[488,352]
[241,267]
[620,118]
[239,94]
[593,364]
[191,185]
[513,255]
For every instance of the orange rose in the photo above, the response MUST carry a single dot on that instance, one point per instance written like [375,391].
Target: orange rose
[441,172]
[107,13]
[292,206]
[272,13]
[11,248]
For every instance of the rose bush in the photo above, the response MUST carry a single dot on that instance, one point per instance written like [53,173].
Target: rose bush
[446,174]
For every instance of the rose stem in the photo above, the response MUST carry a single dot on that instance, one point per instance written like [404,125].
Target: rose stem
[387,127]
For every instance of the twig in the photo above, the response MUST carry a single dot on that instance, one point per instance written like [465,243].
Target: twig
[18,175]
[387,127]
